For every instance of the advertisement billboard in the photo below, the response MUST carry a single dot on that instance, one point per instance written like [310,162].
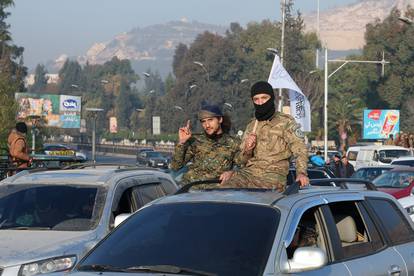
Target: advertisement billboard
[380,123]
[113,125]
[156,125]
[62,111]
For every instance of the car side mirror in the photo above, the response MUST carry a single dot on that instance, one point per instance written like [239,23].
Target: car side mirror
[120,218]
[307,258]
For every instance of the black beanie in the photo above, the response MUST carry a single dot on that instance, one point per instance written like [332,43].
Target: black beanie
[262,87]
[21,127]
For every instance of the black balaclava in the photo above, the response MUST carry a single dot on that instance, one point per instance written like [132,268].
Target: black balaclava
[265,111]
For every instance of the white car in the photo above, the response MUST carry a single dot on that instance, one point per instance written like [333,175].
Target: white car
[406,161]
[408,204]
[49,219]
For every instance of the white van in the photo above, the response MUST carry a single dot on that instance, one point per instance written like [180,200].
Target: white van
[379,155]
[352,153]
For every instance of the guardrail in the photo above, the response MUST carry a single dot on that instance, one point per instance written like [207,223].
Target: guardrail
[129,150]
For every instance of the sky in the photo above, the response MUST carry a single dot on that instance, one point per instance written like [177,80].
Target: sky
[49,28]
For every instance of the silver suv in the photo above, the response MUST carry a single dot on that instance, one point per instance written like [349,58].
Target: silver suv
[315,231]
[50,219]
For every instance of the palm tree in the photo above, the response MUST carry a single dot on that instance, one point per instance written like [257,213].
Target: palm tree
[345,112]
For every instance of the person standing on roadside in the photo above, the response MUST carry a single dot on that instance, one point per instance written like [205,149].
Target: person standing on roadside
[18,150]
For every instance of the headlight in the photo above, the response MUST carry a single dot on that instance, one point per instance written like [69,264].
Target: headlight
[410,210]
[48,266]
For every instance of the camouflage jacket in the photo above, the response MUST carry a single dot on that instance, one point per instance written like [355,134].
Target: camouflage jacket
[278,140]
[209,157]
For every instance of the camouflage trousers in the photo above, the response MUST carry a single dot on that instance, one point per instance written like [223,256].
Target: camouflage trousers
[247,179]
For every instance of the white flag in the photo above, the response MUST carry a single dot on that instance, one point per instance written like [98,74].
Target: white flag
[299,103]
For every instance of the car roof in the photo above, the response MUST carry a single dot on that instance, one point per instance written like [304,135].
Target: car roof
[258,196]
[382,147]
[380,167]
[403,169]
[87,176]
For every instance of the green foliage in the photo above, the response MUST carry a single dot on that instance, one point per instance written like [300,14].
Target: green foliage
[12,73]
[40,79]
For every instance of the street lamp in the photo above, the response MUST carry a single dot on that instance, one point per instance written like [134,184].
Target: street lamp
[244,80]
[325,106]
[94,114]
[178,107]
[204,68]
[146,74]
[229,105]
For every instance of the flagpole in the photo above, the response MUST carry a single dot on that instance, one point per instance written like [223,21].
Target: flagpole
[282,50]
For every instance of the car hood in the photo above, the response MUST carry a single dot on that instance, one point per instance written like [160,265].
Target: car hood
[158,159]
[396,192]
[23,246]
[84,273]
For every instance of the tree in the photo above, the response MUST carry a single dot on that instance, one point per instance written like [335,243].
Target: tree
[40,79]
[12,73]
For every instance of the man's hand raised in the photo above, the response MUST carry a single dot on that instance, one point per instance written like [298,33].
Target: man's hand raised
[184,133]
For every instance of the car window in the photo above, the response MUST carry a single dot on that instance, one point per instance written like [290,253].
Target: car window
[308,233]
[394,179]
[352,155]
[395,224]
[147,193]
[54,207]
[356,232]
[359,174]
[218,238]
[403,162]
[168,186]
[315,174]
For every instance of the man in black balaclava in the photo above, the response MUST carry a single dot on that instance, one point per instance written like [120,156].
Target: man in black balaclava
[269,142]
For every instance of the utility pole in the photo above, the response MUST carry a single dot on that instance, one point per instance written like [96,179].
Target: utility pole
[344,62]
[282,51]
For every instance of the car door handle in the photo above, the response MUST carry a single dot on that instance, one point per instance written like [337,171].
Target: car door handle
[394,270]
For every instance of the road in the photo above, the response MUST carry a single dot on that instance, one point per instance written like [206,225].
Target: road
[113,158]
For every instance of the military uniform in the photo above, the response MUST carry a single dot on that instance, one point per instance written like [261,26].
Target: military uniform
[278,139]
[209,157]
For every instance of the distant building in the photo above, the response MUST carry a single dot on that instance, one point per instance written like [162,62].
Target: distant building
[52,78]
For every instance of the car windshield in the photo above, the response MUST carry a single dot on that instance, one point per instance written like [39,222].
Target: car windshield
[386,156]
[50,207]
[404,162]
[154,154]
[394,179]
[218,238]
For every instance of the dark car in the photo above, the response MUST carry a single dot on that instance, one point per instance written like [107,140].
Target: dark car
[398,182]
[313,173]
[154,159]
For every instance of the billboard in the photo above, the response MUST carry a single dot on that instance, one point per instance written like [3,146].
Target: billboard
[62,111]
[113,125]
[156,125]
[380,123]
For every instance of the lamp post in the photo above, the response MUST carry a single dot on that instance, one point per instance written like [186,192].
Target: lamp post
[204,68]
[327,76]
[94,114]
[317,34]
[35,120]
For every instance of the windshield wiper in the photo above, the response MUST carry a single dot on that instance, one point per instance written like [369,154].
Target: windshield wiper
[100,268]
[27,228]
[168,269]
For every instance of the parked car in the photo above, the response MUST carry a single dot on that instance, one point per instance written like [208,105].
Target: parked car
[372,172]
[62,150]
[398,182]
[317,231]
[408,204]
[142,150]
[313,173]
[154,159]
[406,161]
[379,155]
[50,219]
